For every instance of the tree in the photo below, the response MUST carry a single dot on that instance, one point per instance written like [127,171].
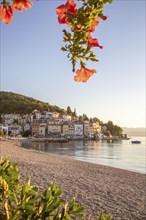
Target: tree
[107,133]
[69,111]
[16,121]
[85,117]
[1,119]
[74,114]
[82,22]
[9,132]
[80,118]
[96,120]
[113,129]
[118,130]
[1,133]
[27,133]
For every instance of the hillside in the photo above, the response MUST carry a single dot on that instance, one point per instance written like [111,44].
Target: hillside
[15,103]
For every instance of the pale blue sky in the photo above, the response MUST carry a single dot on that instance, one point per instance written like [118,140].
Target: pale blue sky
[33,65]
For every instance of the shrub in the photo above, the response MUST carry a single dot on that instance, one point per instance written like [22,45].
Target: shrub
[24,202]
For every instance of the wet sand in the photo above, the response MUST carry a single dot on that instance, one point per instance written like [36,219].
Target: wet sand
[118,192]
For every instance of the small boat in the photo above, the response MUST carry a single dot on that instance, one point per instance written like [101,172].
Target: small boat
[135,142]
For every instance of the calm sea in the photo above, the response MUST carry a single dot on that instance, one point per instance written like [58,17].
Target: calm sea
[120,154]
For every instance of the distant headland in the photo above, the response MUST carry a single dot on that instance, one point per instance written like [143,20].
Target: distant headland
[135,132]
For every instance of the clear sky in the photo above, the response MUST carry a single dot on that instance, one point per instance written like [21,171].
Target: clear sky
[33,65]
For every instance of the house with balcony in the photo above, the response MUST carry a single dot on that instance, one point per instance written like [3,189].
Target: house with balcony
[35,129]
[71,129]
[49,115]
[54,129]
[38,115]
[42,130]
[38,129]
[15,129]
[27,127]
[86,129]
[8,121]
[65,129]
[78,129]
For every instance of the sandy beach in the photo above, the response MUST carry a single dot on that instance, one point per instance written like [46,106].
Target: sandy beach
[118,192]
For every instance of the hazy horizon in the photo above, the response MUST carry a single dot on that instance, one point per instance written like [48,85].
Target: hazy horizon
[135,132]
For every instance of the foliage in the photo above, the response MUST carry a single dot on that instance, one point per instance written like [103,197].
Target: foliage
[107,133]
[27,133]
[113,129]
[16,103]
[95,120]
[69,111]
[24,202]
[1,133]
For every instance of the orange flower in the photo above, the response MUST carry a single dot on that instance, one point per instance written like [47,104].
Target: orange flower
[21,5]
[95,23]
[93,42]
[83,74]
[62,10]
[6,14]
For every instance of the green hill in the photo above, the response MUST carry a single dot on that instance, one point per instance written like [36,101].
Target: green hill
[15,103]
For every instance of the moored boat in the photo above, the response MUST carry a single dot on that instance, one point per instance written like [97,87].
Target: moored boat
[135,142]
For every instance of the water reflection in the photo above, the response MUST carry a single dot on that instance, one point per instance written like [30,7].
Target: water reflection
[118,154]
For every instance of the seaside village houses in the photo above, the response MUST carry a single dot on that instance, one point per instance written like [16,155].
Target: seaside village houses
[48,124]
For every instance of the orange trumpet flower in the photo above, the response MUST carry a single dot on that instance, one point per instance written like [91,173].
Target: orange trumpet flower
[93,42]
[62,10]
[6,14]
[84,74]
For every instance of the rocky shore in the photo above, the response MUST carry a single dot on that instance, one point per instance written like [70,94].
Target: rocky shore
[118,192]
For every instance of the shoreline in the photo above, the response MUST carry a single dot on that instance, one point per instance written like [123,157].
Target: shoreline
[118,192]
[27,141]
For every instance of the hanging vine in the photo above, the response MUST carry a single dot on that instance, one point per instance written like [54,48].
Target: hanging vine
[81,23]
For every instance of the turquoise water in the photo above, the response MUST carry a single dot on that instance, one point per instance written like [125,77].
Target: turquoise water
[120,154]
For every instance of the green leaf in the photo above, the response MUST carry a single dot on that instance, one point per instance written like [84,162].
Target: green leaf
[67,217]
[58,192]
[48,194]
[100,216]
[25,188]
[77,210]
[29,207]
[53,206]
[108,217]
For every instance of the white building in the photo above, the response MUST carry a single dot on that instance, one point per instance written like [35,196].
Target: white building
[11,116]
[42,130]
[55,115]
[65,129]
[49,115]
[38,115]
[78,129]
[9,121]
[26,127]
[15,129]
[71,129]
[66,117]
[54,129]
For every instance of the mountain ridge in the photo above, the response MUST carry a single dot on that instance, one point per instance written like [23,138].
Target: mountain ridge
[11,102]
